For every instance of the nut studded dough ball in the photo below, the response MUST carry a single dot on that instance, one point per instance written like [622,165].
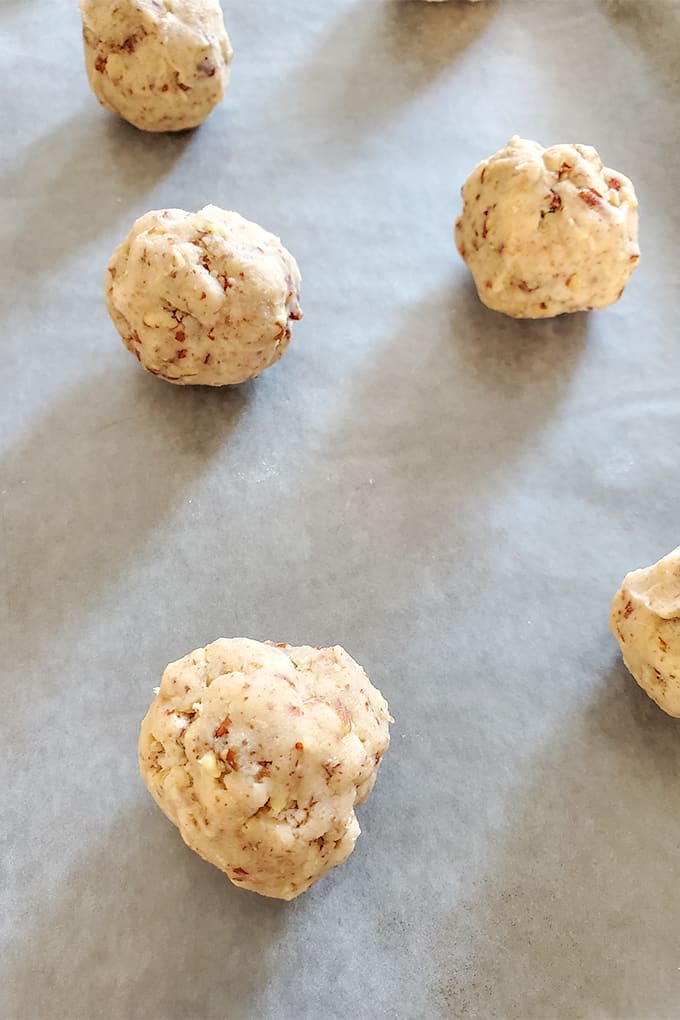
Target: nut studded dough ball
[204,298]
[259,754]
[645,620]
[163,65]
[547,231]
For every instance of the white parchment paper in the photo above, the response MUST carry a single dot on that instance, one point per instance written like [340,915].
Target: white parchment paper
[451,495]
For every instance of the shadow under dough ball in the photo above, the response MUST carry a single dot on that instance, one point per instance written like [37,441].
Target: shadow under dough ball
[203,298]
[259,754]
[548,231]
[163,65]
[645,620]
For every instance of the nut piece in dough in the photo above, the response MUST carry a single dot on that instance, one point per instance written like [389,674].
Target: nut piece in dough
[259,754]
[204,298]
[163,65]
[547,231]
[645,620]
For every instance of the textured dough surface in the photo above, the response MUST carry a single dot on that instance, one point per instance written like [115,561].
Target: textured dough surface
[163,65]
[203,298]
[547,231]
[259,753]
[645,620]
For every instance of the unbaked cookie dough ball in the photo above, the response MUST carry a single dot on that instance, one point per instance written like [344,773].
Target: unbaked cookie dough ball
[259,754]
[645,620]
[163,65]
[204,298]
[547,231]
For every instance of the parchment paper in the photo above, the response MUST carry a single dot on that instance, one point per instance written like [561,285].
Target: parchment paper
[452,496]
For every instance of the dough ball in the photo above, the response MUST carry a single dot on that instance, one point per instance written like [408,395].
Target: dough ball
[203,298]
[259,753]
[163,65]
[547,231]
[645,620]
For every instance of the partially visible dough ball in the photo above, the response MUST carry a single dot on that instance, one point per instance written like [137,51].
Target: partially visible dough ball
[204,298]
[547,231]
[163,65]
[645,620]
[259,754]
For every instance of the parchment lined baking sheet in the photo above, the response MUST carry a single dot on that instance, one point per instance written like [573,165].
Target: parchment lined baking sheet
[451,495]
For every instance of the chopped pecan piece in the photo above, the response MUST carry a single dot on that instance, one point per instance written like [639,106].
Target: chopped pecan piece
[223,728]
[590,196]
[555,203]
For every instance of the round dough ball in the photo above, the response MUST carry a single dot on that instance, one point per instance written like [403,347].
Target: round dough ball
[645,620]
[163,65]
[259,753]
[203,298]
[547,231]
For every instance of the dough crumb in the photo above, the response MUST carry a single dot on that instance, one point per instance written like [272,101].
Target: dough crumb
[548,231]
[259,754]
[645,620]
[162,65]
[203,298]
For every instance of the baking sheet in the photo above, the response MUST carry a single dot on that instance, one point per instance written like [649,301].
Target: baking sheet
[451,495]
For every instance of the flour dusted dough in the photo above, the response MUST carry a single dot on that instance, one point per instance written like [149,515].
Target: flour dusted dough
[203,298]
[163,65]
[259,754]
[645,620]
[547,231]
